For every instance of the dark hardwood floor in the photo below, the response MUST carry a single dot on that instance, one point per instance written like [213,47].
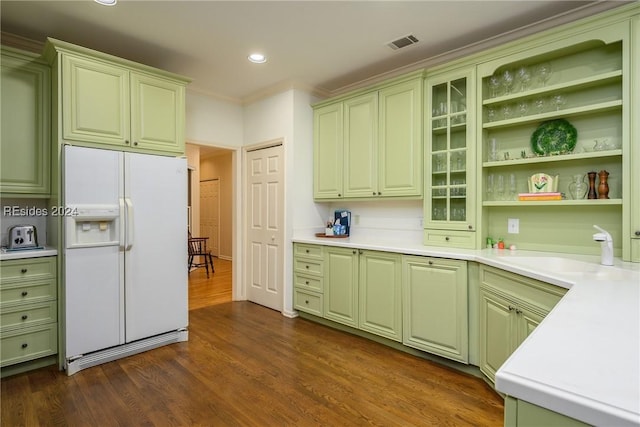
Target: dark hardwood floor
[246,365]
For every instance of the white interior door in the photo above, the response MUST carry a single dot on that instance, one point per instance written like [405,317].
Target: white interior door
[210,213]
[265,226]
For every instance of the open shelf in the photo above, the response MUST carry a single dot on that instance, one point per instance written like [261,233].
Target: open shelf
[528,203]
[555,158]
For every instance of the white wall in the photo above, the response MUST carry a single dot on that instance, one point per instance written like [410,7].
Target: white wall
[210,121]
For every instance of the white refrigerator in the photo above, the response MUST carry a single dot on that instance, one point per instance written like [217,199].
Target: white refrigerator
[125,254]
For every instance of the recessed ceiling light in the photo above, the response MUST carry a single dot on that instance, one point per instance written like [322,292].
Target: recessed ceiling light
[257,58]
[106,2]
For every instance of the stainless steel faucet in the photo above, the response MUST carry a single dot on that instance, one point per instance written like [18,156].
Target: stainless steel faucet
[606,243]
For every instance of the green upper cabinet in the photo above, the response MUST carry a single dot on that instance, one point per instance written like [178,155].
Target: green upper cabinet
[26,125]
[435,308]
[400,140]
[449,203]
[95,102]
[104,100]
[328,151]
[380,292]
[370,145]
[634,179]
[361,146]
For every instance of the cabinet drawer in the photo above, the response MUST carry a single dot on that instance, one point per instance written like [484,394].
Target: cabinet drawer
[456,239]
[309,283]
[27,269]
[28,315]
[307,266]
[309,302]
[28,343]
[24,293]
[309,251]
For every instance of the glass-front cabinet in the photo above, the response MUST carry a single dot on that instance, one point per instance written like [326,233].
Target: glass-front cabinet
[449,162]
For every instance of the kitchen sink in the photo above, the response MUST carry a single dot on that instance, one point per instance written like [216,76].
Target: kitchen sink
[576,268]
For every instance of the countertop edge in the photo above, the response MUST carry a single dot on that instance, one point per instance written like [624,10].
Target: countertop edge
[33,253]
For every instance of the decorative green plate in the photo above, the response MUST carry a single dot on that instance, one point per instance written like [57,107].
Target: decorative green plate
[554,137]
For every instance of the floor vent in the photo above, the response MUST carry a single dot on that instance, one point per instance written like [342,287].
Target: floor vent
[403,42]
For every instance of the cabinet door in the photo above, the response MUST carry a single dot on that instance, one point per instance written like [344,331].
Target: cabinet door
[380,294]
[634,179]
[328,151]
[450,147]
[527,320]
[360,146]
[95,102]
[341,286]
[157,111]
[400,140]
[497,332]
[26,130]
[435,306]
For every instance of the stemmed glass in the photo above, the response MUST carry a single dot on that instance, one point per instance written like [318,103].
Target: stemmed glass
[558,101]
[523,107]
[540,105]
[544,72]
[494,85]
[513,187]
[500,188]
[525,77]
[508,79]
[507,110]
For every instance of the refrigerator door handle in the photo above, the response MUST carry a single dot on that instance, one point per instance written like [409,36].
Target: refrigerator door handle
[129,241]
[122,230]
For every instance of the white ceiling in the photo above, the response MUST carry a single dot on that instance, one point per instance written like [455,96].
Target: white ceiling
[325,46]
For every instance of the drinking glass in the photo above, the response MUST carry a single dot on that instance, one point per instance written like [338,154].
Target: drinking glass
[523,107]
[490,184]
[525,77]
[493,150]
[540,105]
[491,113]
[508,79]
[558,101]
[544,72]
[500,187]
[513,187]
[507,111]
[494,85]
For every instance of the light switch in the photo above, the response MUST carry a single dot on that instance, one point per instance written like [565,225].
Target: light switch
[513,226]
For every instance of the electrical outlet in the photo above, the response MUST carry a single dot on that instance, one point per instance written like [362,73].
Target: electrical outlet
[513,226]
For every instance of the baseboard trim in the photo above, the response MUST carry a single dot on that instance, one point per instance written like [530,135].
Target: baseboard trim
[129,349]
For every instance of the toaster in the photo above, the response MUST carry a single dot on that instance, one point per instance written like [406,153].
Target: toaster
[22,236]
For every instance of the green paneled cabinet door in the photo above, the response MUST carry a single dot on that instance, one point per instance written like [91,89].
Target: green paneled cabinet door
[95,102]
[25,139]
[360,146]
[435,306]
[400,139]
[380,294]
[634,181]
[157,113]
[328,151]
[511,307]
[341,285]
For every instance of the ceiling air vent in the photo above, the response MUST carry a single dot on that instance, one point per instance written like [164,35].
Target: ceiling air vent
[403,42]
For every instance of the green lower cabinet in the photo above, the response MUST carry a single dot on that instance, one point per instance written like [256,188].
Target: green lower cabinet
[380,294]
[341,285]
[511,307]
[435,309]
[524,414]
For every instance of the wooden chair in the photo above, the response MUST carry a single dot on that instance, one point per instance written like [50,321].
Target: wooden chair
[198,248]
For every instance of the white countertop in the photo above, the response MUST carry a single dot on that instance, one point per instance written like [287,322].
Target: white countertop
[583,360]
[29,253]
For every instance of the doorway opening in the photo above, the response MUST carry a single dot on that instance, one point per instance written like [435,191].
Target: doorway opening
[212,197]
